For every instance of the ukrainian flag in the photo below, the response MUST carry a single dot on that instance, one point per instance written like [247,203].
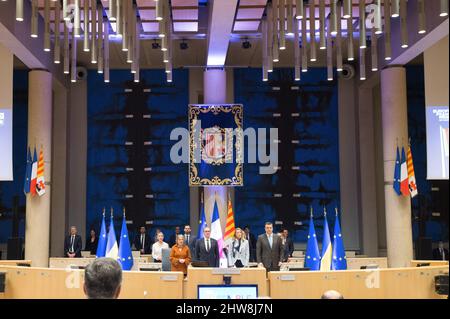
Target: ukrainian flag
[325,262]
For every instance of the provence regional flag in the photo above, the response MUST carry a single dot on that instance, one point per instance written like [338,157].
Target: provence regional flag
[40,182]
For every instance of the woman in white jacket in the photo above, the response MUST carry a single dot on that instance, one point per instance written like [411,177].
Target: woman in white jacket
[238,250]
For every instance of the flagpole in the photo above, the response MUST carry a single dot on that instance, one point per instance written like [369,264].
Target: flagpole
[336,210]
[104,212]
[311,211]
[112,212]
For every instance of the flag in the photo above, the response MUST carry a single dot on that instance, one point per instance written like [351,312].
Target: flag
[202,221]
[411,175]
[404,175]
[325,262]
[34,168]
[26,185]
[339,261]
[101,247]
[112,250]
[125,258]
[40,181]
[312,259]
[230,227]
[216,230]
[397,173]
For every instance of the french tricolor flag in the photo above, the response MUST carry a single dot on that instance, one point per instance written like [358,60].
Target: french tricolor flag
[404,183]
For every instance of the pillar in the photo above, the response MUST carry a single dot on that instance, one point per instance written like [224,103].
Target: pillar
[37,226]
[395,128]
[6,113]
[215,91]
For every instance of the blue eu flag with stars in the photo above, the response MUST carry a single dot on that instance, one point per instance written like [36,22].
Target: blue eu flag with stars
[312,258]
[125,258]
[339,261]
[101,248]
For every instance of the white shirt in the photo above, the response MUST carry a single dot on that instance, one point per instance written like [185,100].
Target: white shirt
[157,250]
[208,247]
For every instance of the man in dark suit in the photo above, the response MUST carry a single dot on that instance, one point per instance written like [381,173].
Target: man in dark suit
[269,249]
[189,239]
[173,238]
[142,242]
[207,249]
[440,253]
[288,245]
[73,244]
[251,242]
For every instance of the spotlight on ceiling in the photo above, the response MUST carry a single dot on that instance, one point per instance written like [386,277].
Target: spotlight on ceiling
[184,46]
[246,44]
[156,46]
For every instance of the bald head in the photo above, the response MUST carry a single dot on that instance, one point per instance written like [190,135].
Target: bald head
[332,294]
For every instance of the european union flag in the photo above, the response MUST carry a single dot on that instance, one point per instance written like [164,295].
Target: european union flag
[27,183]
[202,222]
[397,173]
[125,257]
[101,248]
[339,261]
[312,258]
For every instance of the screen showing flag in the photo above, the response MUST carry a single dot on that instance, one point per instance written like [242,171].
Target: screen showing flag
[6,140]
[437,142]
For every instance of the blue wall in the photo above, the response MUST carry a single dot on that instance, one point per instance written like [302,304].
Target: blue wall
[317,154]
[110,127]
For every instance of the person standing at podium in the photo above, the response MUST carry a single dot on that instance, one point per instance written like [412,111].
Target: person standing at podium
[207,249]
[73,244]
[180,256]
[189,238]
[142,241]
[238,251]
[158,247]
[440,253]
[91,243]
[269,249]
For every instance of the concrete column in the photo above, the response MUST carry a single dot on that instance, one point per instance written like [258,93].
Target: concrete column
[77,154]
[215,91]
[37,226]
[59,203]
[395,128]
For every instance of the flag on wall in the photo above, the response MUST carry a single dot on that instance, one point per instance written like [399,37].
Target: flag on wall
[312,259]
[125,257]
[101,247]
[40,181]
[33,179]
[325,262]
[112,251]
[230,227]
[202,220]
[397,173]
[404,175]
[411,175]
[26,185]
[339,261]
[216,229]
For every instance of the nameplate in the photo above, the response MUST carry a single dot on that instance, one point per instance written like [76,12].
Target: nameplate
[169,278]
[287,277]
[226,271]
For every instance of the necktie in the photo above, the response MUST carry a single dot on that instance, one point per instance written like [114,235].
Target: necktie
[142,241]
[187,239]
[71,243]
[207,245]
[443,254]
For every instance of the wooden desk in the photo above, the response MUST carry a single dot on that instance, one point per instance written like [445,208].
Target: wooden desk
[205,276]
[47,283]
[14,262]
[414,263]
[64,263]
[391,283]
[352,263]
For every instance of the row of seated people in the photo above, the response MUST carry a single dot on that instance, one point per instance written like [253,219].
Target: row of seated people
[270,249]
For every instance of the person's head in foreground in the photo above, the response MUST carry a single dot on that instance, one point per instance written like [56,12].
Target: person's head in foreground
[332,294]
[103,279]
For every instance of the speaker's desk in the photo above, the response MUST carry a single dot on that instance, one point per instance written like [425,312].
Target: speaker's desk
[352,262]
[214,276]
[52,283]
[390,283]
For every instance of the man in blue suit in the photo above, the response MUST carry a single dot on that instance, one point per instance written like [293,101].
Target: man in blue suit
[207,249]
